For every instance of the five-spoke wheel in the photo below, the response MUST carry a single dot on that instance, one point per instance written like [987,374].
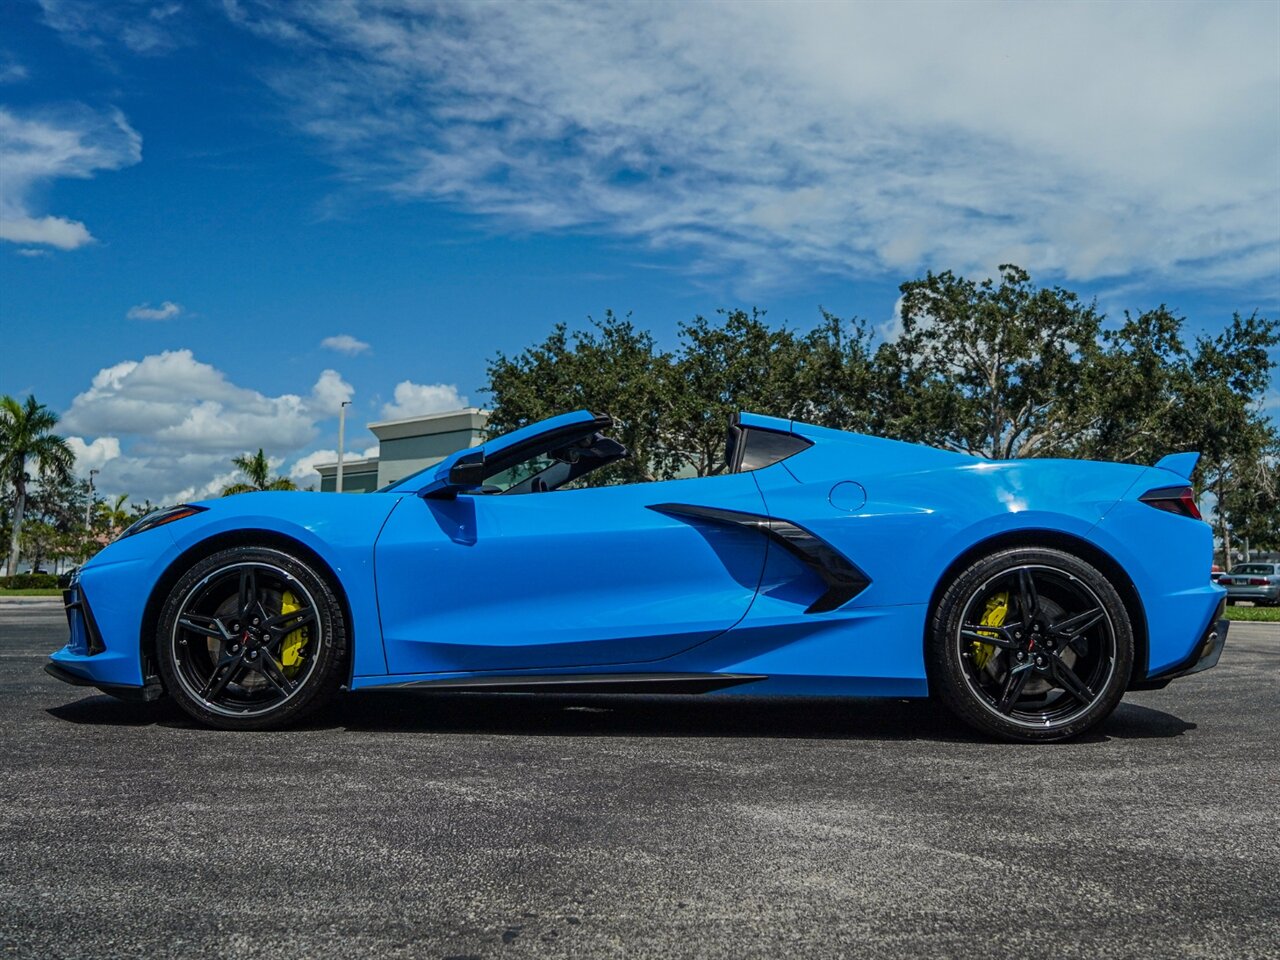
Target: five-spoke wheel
[1031,644]
[251,638]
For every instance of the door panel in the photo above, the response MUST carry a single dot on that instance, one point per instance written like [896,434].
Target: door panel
[563,579]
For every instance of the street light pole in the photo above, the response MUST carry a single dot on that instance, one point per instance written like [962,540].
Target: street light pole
[88,514]
[88,507]
[342,438]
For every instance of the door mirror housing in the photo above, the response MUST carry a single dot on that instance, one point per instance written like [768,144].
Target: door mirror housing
[468,470]
[465,473]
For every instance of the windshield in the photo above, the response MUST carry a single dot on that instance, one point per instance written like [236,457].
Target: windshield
[1266,569]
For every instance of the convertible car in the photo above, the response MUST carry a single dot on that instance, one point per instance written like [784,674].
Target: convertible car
[1028,595]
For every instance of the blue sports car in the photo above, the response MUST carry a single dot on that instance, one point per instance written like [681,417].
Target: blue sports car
[1028,595]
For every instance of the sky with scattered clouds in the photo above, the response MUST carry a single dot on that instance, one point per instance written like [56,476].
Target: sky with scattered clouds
[221,218]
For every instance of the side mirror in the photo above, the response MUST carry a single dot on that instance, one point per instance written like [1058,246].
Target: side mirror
[468,471]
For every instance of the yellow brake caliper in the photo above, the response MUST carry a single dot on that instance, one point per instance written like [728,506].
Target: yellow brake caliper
[993,616]
[291,648]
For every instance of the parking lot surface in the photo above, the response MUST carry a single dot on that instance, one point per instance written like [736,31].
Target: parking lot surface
[428,825]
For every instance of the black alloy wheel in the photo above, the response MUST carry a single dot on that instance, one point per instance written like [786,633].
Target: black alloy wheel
[1031,644]
[251,638]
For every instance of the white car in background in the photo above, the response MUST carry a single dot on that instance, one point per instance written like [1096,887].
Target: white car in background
[1256,582]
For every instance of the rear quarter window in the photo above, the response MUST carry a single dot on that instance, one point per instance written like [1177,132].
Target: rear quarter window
[763,448]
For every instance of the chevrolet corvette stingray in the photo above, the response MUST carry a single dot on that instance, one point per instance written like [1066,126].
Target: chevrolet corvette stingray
[1027,595]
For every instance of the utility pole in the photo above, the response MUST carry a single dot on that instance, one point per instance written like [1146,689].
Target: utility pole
[342,438]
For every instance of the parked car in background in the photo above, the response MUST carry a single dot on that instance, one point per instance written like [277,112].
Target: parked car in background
[1257,582]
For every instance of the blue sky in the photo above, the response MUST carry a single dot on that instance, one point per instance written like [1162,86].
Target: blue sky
[197,195]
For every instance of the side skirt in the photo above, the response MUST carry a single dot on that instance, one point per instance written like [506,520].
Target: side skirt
[656,683]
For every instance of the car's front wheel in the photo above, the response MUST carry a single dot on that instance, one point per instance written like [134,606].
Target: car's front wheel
[251,638]
[1031,644]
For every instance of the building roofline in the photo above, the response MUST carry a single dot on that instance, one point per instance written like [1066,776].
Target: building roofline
[444,414]
[364,463]
[468,418]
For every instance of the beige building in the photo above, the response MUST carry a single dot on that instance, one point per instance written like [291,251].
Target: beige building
[405,447]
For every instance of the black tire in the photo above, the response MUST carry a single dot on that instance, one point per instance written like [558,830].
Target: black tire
[233,658]
[1052,667]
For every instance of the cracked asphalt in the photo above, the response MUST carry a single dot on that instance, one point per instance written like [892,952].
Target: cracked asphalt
[420,825]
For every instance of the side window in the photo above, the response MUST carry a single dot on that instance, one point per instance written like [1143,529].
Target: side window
[518,474]
[762,448]
[555,469]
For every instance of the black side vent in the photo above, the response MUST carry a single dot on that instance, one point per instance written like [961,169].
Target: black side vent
[844,579]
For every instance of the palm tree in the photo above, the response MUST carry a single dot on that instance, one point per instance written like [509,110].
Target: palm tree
[25,435]
[258,470]
[115,515]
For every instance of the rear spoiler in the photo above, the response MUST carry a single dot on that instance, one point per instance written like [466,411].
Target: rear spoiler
[1180,463]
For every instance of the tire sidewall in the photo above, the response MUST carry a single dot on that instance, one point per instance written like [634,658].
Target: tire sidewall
[946,671]
[320,683]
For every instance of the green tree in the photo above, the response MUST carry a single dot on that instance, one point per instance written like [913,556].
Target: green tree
[1128,403]
[40,541]
[610,368]
[736,362]
[60,503]
[837,383]
[257,469]
[982,367]
[672,408]
[139,510]
[26,438]
[1220,415]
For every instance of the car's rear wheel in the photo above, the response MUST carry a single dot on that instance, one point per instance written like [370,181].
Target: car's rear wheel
[251,638]
[1031,644]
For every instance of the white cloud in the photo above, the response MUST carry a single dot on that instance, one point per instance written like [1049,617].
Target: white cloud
[11,71]
[891,329]
[344,343]
[93,456]
[416,399]
[144,311]
[1085,141]
[171,424]
[330,392]
[55,231]
[74,142]
[208,489]
[143,26]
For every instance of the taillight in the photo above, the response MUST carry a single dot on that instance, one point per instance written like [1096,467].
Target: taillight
[1179,500]
[1257,581]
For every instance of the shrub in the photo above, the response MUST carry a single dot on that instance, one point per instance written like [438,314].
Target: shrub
[29,581]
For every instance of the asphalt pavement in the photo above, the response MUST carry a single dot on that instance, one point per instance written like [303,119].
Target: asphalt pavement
[431,825]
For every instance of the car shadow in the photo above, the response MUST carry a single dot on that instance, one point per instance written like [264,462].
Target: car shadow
[599,715]
[1132,721]
[104,711]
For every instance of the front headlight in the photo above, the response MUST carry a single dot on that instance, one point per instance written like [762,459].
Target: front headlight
[160,517]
